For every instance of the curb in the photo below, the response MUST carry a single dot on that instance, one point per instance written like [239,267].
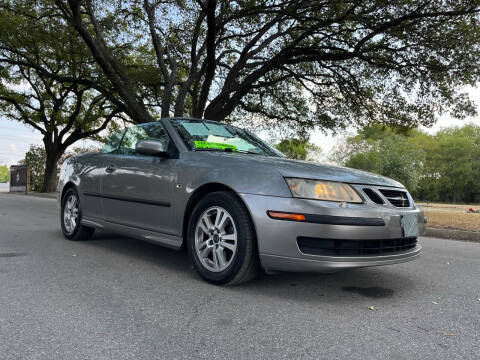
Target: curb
[453,234]
[43,195]
[36,194]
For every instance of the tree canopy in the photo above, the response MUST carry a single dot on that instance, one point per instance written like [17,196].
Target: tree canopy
[282,62]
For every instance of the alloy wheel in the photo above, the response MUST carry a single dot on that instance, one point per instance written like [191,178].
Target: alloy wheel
[70,214]
[215,239]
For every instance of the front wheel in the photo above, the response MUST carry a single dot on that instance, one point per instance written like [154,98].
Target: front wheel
[221,240]
[71,216]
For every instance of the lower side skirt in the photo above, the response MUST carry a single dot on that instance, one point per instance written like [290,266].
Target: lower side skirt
[168,240]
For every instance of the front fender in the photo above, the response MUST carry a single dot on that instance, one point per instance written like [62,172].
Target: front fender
[237,173]
[67,176]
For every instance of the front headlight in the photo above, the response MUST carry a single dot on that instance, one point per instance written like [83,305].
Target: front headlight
[323,190]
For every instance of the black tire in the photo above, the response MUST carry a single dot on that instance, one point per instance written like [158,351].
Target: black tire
[245,263]
[80,232]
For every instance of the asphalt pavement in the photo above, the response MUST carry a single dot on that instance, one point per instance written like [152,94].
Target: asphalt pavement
[118,298]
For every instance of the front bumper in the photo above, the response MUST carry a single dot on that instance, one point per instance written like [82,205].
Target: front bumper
[277,239]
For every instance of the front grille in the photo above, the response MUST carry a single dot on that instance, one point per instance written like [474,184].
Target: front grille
[373,196]
[335,247]
[396,198]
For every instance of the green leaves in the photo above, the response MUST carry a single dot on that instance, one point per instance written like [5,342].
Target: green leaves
[300,149]
[4,174]
[391,155]
[441,167]
[35,159]
[454,164]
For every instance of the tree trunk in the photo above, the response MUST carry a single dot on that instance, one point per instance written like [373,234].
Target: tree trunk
[167,95]
[211,63]
[50,176]
[54,153]
[218,111]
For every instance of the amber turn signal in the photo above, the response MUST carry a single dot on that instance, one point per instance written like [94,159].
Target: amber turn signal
[286,216]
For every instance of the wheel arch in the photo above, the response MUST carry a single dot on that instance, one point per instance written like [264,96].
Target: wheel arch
[68,185]
[202,191]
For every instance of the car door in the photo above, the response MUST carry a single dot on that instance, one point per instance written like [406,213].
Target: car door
[90,168]
[137,190]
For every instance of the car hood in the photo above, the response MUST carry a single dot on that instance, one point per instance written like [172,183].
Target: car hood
[310,170]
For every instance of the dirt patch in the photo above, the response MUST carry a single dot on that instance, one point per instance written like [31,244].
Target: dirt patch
[452,219]
[451,207]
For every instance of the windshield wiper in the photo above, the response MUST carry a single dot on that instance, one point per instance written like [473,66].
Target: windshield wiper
[248,152]
[213,149]
[228,150]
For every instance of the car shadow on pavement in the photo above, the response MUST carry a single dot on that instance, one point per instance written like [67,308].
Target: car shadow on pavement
[384,282]
[144,251]
[341,287]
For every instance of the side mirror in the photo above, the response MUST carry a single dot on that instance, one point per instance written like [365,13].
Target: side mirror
[151,147]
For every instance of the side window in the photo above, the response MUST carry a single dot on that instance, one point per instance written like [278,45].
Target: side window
[150,131]
[112,144]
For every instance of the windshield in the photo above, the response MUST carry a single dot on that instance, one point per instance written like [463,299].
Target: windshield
[212,136]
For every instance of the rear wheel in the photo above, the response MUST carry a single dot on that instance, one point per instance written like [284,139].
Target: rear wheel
[221,240]
[71,216]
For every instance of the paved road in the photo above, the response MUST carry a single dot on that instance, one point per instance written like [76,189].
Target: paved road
[116,298]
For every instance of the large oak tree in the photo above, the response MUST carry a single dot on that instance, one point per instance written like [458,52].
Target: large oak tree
[47,81]
[296,63]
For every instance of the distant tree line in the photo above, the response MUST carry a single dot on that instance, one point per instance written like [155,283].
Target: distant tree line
[442,167]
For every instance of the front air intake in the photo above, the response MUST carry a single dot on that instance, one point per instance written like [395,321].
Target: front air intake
[340,247]
[372,194]
[396,197]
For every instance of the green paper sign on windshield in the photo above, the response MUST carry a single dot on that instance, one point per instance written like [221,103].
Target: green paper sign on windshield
[213,145]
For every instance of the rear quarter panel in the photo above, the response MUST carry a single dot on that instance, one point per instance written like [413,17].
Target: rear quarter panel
[85,172]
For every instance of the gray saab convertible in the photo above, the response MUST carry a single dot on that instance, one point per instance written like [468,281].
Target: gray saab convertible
[235,203]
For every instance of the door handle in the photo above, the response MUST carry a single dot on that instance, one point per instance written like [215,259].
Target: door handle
[110,168]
